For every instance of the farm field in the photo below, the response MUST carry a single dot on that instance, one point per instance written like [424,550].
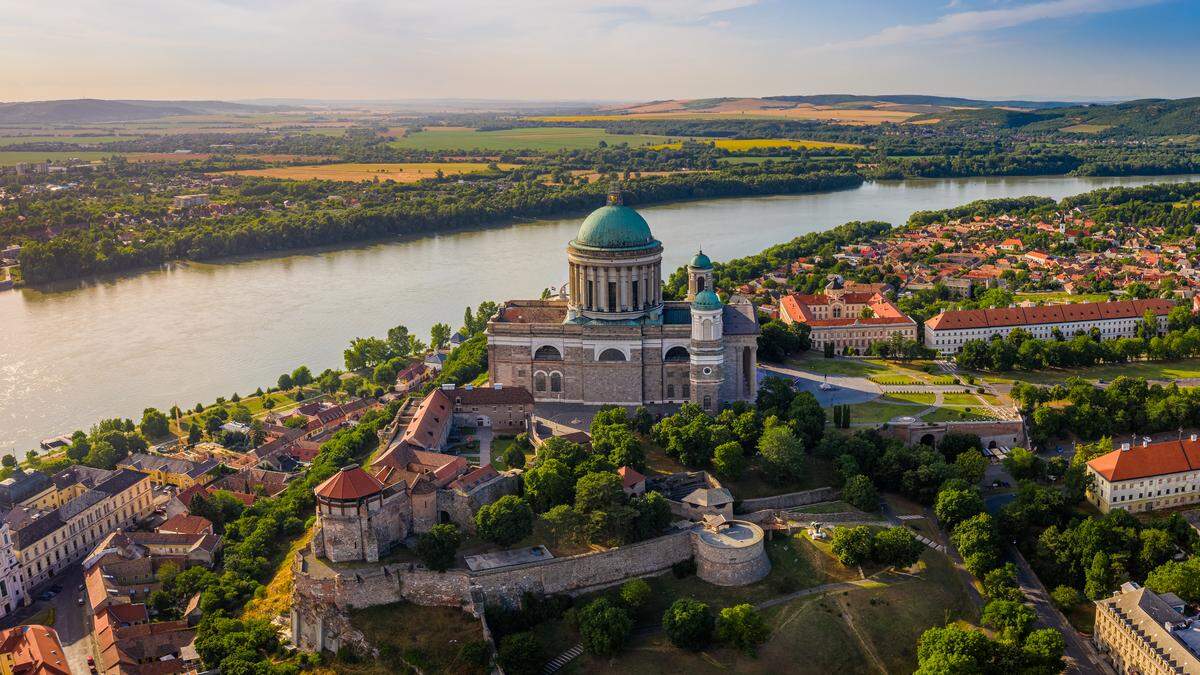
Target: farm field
[17,139]
[743,145]
[12,157]
[804,112]
[532,138]
[401,172]
[1087,128]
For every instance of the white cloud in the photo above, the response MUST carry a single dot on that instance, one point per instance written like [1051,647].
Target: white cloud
[978,21]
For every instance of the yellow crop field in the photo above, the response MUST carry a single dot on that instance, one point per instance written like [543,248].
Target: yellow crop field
[401,172]
[742,145]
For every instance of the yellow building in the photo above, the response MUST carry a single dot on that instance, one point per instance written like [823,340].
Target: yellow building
[1140,631]
[182,473]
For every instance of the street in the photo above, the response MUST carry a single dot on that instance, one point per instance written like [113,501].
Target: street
[1081,655]
[69,621]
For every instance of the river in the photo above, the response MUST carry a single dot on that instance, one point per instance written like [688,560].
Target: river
[72,355]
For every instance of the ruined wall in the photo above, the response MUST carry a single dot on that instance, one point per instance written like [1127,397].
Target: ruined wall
[788,501]
[461,507]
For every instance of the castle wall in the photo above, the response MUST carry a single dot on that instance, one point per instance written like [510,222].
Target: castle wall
[461,507]
[789,500]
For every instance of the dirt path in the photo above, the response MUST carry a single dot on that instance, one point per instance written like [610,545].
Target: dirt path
[867,647]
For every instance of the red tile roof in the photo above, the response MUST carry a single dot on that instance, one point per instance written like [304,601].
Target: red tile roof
[34,650]
[187,524]
[349,483]
[1144,461]
[630,476]
[1065,313]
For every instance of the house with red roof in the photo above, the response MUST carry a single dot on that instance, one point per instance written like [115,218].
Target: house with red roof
[1145,476]
[847,319]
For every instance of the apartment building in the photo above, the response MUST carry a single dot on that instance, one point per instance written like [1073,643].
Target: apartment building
[949,331]
[85,506]
[1140,631]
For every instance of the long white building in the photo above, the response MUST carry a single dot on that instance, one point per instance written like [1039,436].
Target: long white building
[949,331]
[1146,476]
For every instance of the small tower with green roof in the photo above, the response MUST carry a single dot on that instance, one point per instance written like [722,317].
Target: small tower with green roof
[707,349]
[700,275]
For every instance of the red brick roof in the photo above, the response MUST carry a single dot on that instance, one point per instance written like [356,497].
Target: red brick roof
[630,476]
[349,483]
[1144,461]
[187,524]
[34,650]
[1065,313]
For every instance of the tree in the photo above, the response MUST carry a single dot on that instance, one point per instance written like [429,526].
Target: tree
[439,335]
[1010,618]
[1099,578]
[782,453]
[302,377]
[954,506]
[1157,548]
[853,546]
[896,546]
[598,492]
[652,514]
[689,624]
[521,654]
[154,423]
[549,483]
[505,521]
[619,444]
[285,382]
[743,627]
[565,523]
[971,467]
[1067,598]
[8,461]
[1023,464]
[807,418]
[635,593]
[1180,578]
[729,460]
[860,493]
[437,547]
[513,457]
[955,443]
[604,627]
[953,649]
[1043,651]
[1001,583]
[978,542]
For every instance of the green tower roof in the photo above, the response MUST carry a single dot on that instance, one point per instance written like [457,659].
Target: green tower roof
[706,300]
[614,226]
[700,261]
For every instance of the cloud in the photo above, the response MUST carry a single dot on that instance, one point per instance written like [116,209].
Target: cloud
[978,21]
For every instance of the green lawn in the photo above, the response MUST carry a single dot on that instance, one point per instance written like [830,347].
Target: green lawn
[881,410]
[896,380]
[531,138]
[960,400]
[923,399]
[958,415]
[430,638]
[813,362]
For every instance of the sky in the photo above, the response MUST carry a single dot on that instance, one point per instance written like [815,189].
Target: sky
[610,50]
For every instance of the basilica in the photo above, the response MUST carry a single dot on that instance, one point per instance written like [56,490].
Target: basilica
[612,338]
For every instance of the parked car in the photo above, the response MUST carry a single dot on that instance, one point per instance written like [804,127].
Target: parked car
[46,595]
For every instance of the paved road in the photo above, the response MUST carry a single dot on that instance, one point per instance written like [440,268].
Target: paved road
[847,389]
[70,622]
[1081,654]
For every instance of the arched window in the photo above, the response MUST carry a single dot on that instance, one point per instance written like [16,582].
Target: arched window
[556,381]
[706,329]
[747,371]
[707,402]
[547,353]
[611,355]
[539,381]
[677,354]
[700,283]
[837,312]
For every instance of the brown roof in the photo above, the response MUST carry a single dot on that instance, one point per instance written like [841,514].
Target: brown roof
[186,524]
[349,483]
[493,395]
[630,476]
[1144,461]
[34,650]
[475,478]
[1065,313]
[429,421]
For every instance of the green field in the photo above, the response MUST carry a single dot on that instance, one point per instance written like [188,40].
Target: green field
[12,157]
[531,138]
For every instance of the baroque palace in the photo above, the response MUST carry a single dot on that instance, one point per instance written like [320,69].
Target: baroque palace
[614,339]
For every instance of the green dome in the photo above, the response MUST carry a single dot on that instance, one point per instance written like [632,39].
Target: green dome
[614,226]
[706,300]
[700,261]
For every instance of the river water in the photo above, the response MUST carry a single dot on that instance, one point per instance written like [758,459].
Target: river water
[72,355]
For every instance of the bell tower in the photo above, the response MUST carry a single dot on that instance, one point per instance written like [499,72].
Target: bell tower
[700,275]
[707,348]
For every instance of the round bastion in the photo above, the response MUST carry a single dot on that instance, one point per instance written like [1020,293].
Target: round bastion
[730,553]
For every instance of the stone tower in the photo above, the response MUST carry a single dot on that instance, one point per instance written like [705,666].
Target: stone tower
[700,275]
[707,348]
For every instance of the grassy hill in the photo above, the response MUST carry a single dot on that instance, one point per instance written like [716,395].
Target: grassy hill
[90,110]
[1147,117]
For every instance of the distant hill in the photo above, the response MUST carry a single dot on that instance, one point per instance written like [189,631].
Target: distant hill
[918,99]
[90,110]
[1146,117]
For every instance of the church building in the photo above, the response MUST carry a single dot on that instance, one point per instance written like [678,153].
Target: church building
[614,339]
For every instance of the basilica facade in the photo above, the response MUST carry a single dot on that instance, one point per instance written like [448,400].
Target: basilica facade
[612,338]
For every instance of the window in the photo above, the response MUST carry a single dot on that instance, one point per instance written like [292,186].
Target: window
[700,284]
[636,300]
[590,294]
[539,381]
[670,391]
[556,382]
[611,355]
[547,353]
[612,296]
[677,354]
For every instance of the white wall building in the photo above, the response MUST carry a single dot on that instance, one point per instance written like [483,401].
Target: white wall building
[1146,476]
[949,331]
